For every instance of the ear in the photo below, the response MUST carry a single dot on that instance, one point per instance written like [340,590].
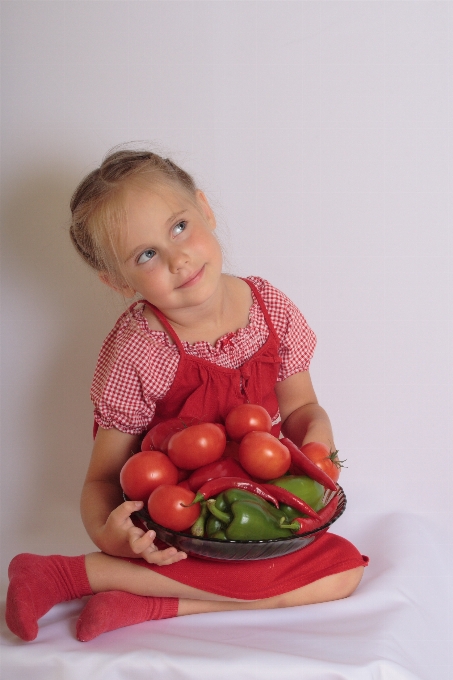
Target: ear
[125,290]
[206,209]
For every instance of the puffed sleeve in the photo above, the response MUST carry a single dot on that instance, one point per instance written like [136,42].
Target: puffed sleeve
[297,339]
[133,371]
[297,343]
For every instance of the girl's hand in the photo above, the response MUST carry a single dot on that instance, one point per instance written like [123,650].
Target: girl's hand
[106,518]
[142,545]
[121,538]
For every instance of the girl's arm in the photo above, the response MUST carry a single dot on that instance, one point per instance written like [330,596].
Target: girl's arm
[104,513]
[303,419]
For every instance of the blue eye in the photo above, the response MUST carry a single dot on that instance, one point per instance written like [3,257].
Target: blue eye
[146,256]
[179,228]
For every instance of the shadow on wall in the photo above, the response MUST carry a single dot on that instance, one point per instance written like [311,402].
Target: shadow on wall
[56,317]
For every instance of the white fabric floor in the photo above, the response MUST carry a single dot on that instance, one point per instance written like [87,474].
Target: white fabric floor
[397,626]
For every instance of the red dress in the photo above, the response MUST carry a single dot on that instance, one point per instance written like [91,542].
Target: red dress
[205,390]
[137,365]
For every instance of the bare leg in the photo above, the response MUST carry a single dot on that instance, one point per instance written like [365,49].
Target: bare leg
[329,588]
[127,593]
[106,573]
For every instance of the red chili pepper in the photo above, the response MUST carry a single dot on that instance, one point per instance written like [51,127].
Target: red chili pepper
[285,496]
[225,467]
[304,464]
[302,525]
[216,486]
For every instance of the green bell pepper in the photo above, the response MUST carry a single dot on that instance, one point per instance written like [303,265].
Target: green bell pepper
[247,520]
[213,526]
[226,498]
[303,487]
[220,535]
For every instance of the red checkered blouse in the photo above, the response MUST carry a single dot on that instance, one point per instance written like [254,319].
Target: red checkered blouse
[137,365]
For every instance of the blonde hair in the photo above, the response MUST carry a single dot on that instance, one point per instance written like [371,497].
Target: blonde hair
[96,205]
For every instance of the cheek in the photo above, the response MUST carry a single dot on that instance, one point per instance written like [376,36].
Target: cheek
[139,280]
[209,245]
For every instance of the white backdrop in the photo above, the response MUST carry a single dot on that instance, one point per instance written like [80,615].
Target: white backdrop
[321,132]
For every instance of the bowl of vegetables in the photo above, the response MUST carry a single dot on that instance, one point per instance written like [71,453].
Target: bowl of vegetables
[221,548]
[233,491]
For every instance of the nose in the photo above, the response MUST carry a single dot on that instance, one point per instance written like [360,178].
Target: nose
[177,258]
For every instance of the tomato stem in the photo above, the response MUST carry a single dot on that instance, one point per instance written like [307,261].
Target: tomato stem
[333,456]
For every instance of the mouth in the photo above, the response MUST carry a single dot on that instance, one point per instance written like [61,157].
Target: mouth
[192,280]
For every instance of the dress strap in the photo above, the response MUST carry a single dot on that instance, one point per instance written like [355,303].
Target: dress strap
[167,325]
[263,307]
[174,336]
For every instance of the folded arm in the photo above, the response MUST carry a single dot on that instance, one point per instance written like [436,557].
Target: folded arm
[105,514]
[303,419]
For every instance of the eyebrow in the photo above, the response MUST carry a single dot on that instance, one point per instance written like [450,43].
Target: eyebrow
[143,247]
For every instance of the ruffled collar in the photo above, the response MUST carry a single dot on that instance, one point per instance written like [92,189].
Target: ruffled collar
[203,346]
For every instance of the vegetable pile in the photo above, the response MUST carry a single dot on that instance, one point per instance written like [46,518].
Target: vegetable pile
[232,482]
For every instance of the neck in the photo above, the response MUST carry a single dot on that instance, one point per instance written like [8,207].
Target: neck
[224,312]
[210,313]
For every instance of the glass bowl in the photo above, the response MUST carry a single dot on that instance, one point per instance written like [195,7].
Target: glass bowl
[216,549]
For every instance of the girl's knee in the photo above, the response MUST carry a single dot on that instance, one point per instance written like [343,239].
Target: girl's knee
[348,582]
[338,586]
[333,587]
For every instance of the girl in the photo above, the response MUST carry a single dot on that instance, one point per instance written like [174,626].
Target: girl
[198,343]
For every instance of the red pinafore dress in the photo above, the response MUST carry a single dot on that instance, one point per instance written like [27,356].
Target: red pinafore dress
[204,390]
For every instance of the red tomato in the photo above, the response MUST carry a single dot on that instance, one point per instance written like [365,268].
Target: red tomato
[263,455]
[247,418]
[158,436]
[166,506]
[222,427]
[196,446]
[326,460]
[144,471]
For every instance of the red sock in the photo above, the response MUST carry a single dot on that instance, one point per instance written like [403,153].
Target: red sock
[37,583]
[117,609]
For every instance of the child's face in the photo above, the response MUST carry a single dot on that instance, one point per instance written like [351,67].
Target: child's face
[168,251]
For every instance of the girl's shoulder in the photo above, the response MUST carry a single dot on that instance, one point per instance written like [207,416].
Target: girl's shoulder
[275,300]
[297,339]
[131,335]
[283,311]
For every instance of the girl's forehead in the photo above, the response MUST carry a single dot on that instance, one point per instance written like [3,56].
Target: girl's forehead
[146,210]
[155,198]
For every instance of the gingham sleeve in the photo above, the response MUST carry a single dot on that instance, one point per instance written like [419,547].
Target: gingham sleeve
[132,372]
[297,339]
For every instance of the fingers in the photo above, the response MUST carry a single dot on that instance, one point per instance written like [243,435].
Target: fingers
[162,558]
[125,510]
[142,544]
